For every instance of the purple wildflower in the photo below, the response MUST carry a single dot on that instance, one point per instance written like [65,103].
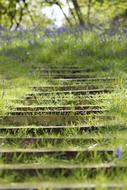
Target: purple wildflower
[49,32]
[30,73]
[118,152]
[3,93]
[125,30]
[61,30]
[45,72]
[11,83]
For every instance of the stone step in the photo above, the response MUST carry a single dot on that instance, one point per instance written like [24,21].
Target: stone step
[82,99]
[68,82]
[50,67]
[70,69]
[56,152]
[74,101]
[57,107]
[58,112]
[72,87]
[65,70]
[52,119]
[41,141]
[74,92]
[66,75]
[66,170]
[61,186]
[37,130]
[87,79]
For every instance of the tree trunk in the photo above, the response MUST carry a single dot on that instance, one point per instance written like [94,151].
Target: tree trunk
[72,12]
[66,17]
[78,12]
[89,11]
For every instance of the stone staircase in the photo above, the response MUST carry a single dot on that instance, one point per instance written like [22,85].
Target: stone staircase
[50,134]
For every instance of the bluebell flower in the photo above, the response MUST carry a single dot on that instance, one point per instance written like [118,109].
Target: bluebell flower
[49,32]
[10,82]
[45,72]
[61,30]
[118,152]
[30,73]
[3,93]
[125,30]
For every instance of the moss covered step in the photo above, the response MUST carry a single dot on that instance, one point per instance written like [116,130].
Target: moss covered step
[63,99]
[90,171]
[60,69]
[40,130]
[40,141]
[57,107]
[57,152]
[85,79]
[74,92]
[62,186]
[66,75]
[36,131]
[58,111]
[75,100]
[51,119]
[65,70]
[72,87]
[52,66]
[69,69]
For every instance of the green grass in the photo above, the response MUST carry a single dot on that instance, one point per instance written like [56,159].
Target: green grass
[98,53]
[101,54]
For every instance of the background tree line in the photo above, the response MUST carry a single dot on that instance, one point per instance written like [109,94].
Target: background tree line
[82,12]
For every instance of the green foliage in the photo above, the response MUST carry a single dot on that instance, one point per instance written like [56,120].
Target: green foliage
[21,12]
[28,13]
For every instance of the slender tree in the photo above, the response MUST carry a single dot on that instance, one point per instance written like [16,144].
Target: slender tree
[78,12]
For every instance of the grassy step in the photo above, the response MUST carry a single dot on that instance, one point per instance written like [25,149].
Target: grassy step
[79,99]
[42,141]
[58,112]
[37,130]
[65,170]
[88,79]
[75,92]
[51,67]
[70,153]
[68,75]
[54,154]
[59,107]
[61,100]
[62,166]
[64,98]
[52,119]
[70,87]
[64,74]
[80,82]
[56,185]
[61,70]
[29,101]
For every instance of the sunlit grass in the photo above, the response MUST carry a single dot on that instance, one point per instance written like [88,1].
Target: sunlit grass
[102,55]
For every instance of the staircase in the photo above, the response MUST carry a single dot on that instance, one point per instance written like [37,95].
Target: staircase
[57,138]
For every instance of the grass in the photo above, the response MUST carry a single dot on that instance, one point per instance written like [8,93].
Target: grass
[101,54]
[104,53]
